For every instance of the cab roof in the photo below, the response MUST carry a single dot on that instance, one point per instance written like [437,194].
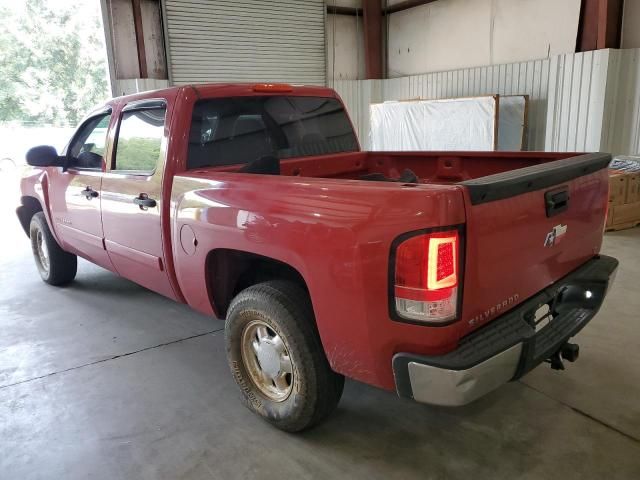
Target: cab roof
[212,90]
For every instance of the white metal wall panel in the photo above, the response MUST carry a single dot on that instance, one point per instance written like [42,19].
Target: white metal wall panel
[245,41]
[621,132]
[357,95]
[526,78]
[577,101]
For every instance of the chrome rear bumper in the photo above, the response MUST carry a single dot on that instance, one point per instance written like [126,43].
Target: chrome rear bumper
[509,346]
[439,386]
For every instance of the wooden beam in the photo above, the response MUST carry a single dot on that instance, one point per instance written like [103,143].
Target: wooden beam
[587,26]
[609,23]
[137,22]
[600,25]
[372,22]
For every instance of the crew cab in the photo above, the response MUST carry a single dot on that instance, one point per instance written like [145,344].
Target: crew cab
[437,275]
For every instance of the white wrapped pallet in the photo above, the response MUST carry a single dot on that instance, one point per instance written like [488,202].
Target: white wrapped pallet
[447,124]
[482,123]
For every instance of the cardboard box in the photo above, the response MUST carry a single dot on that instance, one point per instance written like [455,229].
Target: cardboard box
[625,214]
[618,187]
[633,186]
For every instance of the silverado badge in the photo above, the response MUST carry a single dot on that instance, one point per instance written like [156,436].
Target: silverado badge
[555,235]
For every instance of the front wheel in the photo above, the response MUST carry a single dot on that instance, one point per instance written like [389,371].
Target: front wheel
[56,267]
[276,357]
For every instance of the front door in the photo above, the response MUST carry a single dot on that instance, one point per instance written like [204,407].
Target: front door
[132,199]
[76,210]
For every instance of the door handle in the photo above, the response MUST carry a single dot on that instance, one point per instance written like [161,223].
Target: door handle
[556,201]
[144,202]
[89,193]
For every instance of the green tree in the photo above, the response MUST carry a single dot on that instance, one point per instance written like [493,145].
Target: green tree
[53,62]
[12,64]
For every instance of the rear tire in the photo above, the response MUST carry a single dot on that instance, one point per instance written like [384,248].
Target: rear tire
[56,267]
[276,357]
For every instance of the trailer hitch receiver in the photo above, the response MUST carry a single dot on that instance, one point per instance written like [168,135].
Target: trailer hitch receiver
[568,352]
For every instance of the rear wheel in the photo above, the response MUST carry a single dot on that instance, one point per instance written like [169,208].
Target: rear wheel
[276,356]
[56,267]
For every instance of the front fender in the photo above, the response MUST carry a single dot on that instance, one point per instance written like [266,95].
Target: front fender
[34,190]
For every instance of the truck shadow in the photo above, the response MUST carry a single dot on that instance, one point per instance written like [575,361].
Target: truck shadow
[514,428]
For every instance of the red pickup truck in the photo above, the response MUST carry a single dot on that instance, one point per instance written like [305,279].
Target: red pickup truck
[440,275]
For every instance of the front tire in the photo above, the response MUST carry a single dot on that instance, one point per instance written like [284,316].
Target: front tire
[56,267]
[276,357]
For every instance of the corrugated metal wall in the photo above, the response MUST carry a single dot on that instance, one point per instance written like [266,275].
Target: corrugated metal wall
[577,102]
[621,126]
[249,40]
[358,95]
[526,78]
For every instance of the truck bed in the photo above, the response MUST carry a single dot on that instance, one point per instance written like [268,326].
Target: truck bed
[498,199]
[430,167]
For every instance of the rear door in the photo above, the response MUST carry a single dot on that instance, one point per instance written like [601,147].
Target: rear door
[132,196]
[528,228]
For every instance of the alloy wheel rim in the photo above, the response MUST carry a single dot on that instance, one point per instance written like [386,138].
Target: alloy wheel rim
[267,360]
[43,251]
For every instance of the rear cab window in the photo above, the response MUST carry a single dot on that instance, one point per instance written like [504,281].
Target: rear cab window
[239,130]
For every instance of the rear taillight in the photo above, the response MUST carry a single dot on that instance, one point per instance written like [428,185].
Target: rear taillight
[426,277]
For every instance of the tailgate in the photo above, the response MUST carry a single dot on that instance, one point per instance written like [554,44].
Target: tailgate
[527,228]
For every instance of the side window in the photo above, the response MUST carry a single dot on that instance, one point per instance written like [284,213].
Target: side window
[89,144]
[139,140]
[229,131]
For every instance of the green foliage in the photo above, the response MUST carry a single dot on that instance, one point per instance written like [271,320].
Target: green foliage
[52,61]
[12,64]
[137,153]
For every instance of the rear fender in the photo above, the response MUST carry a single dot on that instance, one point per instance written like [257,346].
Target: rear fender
[336,234]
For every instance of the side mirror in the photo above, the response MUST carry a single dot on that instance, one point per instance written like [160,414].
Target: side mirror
[44,156]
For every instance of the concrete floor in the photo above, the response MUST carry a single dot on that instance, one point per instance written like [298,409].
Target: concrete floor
[106,380]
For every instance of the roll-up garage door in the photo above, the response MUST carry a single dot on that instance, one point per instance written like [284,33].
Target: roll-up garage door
[245,41]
